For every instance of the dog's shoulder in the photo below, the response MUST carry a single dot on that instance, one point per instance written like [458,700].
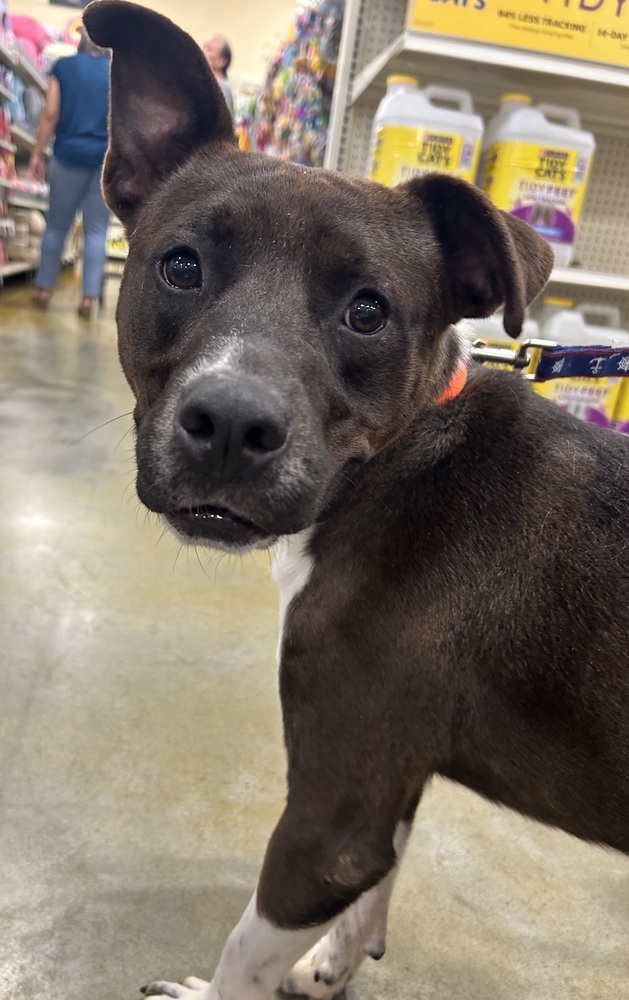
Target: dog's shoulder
[500,423]
[497,462]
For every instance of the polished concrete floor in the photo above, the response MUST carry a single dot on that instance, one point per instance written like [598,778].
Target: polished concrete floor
[140,750]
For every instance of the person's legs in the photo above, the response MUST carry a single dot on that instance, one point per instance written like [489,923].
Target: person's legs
[67,189]
[95,221]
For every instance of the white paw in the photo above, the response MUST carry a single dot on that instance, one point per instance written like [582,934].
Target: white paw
[324,972]
[190,989]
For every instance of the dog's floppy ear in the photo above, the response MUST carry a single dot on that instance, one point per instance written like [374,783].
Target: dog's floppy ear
[491,259]
[165,102]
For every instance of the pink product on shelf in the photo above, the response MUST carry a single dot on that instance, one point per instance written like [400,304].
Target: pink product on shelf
[5,125]
[26,184]
[7,159]
[32,37]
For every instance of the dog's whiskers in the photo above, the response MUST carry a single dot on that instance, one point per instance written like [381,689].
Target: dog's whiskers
[177,554]
[126,434]
[203,569]
[163,532]
[105,423]
[125,498]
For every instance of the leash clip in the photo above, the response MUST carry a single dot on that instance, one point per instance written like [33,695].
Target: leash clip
[517,358]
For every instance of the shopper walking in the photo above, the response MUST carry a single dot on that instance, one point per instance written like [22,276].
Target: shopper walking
[76,113]
[219,56]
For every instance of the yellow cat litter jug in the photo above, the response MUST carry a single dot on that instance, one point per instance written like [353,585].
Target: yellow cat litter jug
[508,102]
[416,131]
[593,399]
[550,306]
[537,166]
[620,421]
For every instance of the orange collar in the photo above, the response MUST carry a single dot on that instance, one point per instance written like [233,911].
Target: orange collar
[454,386]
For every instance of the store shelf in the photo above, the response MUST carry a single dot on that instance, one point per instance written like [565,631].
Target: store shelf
[589,279]
[15,267]
[25,141]
[22,66]
[6,94]
[22,138]
[117,254]
[10,146]
[376,43]
[28,201]
[6,183]
[490,69]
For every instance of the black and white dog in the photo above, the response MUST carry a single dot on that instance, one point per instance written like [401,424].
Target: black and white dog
[452,551]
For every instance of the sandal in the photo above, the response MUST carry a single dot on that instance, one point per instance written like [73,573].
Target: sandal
[86,306]
[41,298]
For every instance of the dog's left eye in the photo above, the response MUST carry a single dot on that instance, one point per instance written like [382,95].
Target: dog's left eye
[366,314]
[182,269]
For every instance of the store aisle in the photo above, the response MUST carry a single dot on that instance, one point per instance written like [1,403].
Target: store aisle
[141,765]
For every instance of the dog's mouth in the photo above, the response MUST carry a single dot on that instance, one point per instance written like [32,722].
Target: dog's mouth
[217,525]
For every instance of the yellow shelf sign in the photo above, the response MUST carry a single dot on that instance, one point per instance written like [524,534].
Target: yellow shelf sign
[596,30]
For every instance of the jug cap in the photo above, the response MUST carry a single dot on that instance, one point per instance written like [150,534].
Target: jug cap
[552,300]
[523,98]
[412,81]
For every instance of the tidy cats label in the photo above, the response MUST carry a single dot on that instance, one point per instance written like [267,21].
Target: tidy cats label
[543,185]
[591,399]
[578,29]
[402,152]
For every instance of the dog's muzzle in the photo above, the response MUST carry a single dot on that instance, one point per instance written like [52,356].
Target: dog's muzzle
[218,450]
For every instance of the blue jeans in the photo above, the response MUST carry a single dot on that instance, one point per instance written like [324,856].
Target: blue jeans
[71,190]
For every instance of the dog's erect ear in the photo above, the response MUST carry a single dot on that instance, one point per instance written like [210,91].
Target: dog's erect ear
[491,259]
[165,102]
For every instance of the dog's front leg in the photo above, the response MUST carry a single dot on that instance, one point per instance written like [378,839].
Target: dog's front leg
[253,963]
[313,870]
[358,933]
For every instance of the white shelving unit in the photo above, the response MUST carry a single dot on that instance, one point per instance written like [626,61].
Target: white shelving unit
[590,279]
[22,139]
[28,202]
[375,44]
[15,267]
[5,94]
[23,67]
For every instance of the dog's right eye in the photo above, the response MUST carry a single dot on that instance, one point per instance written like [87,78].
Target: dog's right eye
[182,269]
[366,314]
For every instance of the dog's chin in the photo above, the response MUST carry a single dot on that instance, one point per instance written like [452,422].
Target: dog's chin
[218,528]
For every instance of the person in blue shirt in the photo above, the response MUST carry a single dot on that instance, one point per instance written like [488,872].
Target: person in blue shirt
[76,113]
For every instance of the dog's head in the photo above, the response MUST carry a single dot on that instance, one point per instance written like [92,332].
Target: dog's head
[277,324]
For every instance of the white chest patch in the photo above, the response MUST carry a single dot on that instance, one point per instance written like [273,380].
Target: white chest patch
[292,566]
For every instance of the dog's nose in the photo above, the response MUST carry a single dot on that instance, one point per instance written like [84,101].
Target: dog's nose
[231,424]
